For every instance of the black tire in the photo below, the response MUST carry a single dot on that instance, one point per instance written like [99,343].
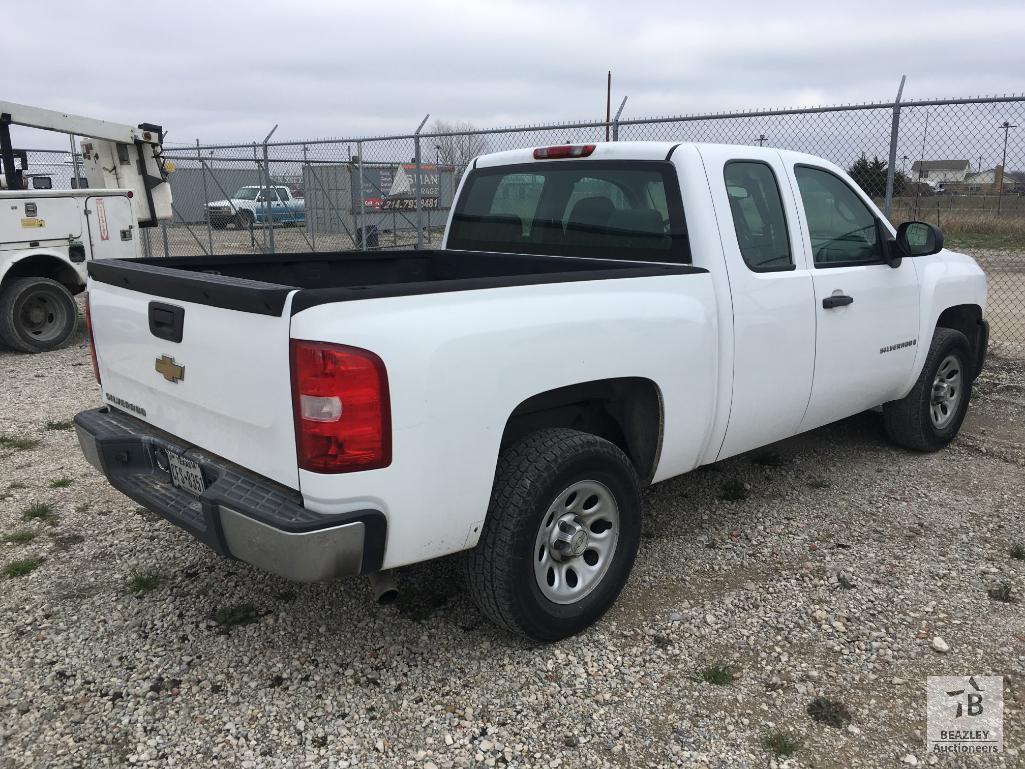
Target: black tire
[36,314]
[243,220]
[909,422]
[531,475]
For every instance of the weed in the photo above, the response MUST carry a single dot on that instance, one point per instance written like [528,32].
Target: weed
[63,424]
[20,537]
[61,483]
[239,614]
[819,483]
[141,582]
[718,673]
[1001,592]
[1017,551]
[829,712]
[39,511]
[16,485]
[22,567]
[781,744]
[733,491]
[17,442]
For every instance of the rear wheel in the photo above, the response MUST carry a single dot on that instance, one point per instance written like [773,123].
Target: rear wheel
[243,220]
[36,314]
[560,537]
[930,416]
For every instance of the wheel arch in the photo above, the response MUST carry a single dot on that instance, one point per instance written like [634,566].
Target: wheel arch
[45,265]
[967,318]
[627,411]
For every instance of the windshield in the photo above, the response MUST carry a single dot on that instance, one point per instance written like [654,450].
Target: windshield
[604,209]
[246,193]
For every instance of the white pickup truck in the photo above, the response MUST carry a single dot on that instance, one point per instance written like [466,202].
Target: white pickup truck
[600,317]
[248,206]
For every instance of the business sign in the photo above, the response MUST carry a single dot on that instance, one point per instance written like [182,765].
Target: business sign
[393,188]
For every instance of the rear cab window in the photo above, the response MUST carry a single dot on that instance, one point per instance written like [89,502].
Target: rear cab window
[758,216]
[606,209]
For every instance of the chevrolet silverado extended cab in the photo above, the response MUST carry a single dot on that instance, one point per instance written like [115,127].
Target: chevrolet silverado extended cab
[599,317]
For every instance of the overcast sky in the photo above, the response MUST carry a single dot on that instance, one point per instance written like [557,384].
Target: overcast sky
[228,71]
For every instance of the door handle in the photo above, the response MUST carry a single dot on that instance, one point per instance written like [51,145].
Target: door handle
[837,300]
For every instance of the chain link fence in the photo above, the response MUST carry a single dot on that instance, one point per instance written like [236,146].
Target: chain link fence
[958,163]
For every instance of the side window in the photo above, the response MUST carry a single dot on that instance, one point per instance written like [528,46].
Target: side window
[758,216]
[842,228]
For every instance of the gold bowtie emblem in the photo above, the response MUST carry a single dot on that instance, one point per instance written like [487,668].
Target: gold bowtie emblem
[170,370]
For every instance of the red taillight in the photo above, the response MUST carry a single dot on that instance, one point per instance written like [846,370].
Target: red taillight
[342,409]
[563,151]
[92,343]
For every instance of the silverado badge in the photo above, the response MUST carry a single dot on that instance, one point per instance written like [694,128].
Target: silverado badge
[170,370]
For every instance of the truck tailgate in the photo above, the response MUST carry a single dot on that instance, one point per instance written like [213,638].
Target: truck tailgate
[224,387]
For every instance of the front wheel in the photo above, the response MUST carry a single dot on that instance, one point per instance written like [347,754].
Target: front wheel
[560,537]
[36,314]
[930,416]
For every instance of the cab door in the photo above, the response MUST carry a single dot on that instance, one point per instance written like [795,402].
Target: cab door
[866,312]
[771,290]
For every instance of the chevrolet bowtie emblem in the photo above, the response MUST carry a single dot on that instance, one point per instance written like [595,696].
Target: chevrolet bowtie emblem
[170,370]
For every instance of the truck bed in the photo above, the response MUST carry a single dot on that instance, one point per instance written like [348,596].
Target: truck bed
[261,283]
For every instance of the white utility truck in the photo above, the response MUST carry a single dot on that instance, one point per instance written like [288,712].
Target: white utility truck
[599,317]
[48,237]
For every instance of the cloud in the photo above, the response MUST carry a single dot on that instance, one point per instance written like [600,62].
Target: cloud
[229,71]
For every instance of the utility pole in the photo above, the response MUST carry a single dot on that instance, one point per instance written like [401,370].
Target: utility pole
[608,105]
[1003,164]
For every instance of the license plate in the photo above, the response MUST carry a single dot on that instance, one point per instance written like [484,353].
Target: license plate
[185,474]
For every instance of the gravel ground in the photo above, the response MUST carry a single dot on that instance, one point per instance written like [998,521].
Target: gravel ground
[130,644]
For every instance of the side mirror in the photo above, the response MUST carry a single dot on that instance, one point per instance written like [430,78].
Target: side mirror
[919,239]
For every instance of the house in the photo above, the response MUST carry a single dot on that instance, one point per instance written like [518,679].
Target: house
[990,181]
[938,173]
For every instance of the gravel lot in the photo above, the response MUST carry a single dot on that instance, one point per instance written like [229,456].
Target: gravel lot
[130,644]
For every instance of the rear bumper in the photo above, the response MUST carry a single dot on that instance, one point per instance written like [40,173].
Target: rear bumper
[240,515]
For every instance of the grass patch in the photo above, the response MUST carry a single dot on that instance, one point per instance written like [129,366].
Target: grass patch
[718,673]
[819,483]
[17,442]
[83,507]
[1001,592]
[61,483]
[733,491]
[39,511]
[1017,551]
[781,744]
[829,712]
[63,424]
[16,485]
[65,542]
[238,614]
[142,582]
[20,537]
[22,567]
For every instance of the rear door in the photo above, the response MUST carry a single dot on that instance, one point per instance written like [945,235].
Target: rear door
[771,290]
[866,312]
[213,376]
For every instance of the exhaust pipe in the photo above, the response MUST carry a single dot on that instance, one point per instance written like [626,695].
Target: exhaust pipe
[382,585]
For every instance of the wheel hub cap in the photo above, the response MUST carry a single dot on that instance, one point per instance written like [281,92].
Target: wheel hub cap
[576,541]
[946,392]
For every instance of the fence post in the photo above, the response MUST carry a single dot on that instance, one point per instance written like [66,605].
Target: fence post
[891,168]
[417,180]
[163,230]
[206,200]
[267,213]
[615,120]
[311,225]
[362,231]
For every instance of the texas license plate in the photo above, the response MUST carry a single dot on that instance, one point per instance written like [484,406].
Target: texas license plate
[185,474]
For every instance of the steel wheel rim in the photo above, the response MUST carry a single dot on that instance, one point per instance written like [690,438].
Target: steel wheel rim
[947,391]
[576,542]
[43,315]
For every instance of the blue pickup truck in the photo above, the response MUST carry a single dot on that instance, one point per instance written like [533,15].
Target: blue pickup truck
[248,206]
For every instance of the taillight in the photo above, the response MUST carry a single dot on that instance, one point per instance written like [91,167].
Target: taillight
[563,151]
[92,343]
[342,409]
